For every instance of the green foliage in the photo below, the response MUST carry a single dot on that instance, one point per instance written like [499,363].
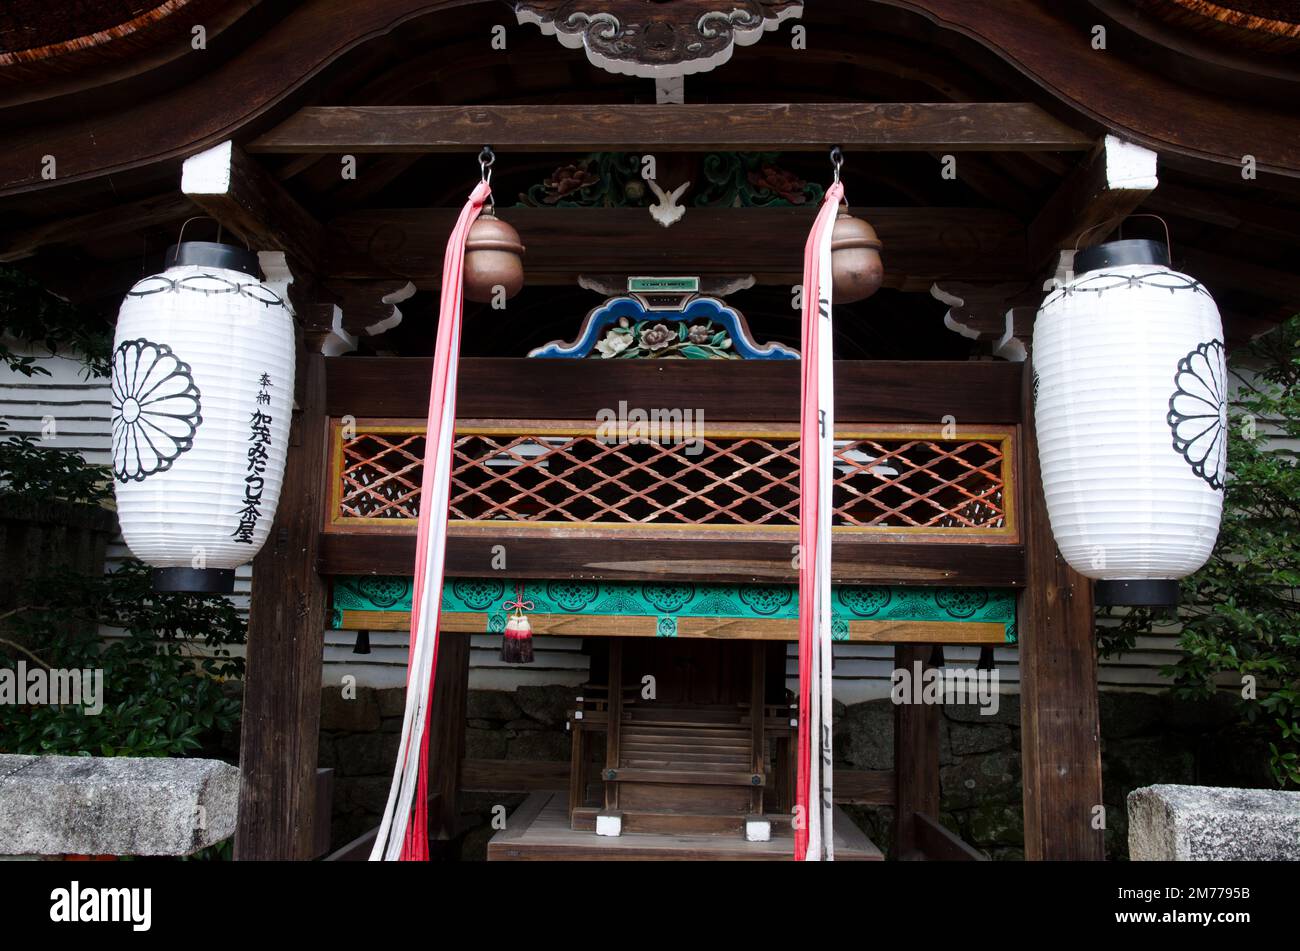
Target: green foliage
[162,680]
[1241,612]
[42,472]
[29,312]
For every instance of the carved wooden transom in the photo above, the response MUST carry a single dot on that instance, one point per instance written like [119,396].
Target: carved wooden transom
[657,39]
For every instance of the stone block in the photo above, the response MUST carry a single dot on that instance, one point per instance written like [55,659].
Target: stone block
[357,715]
[864,736]
[1208,823]
[549,704]
[392,701]
[485,744]
[968,738]
[1008,711]
[92,805]
[539,746]
[493,705]
[367,754]
[981,779]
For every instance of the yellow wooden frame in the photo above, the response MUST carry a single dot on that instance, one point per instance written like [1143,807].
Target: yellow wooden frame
[1003,435]
[754,629]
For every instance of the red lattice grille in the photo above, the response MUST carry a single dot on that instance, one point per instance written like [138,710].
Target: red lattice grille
[905,482]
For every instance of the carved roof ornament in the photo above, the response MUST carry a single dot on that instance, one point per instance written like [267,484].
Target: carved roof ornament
[657,39]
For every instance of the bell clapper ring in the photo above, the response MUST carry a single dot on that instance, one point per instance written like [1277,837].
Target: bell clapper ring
[837,162]
[486,159]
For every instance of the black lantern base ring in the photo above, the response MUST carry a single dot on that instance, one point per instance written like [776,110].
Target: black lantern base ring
[1144,593]
[194,580]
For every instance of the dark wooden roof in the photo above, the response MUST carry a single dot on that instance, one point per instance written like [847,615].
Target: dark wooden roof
[120,129]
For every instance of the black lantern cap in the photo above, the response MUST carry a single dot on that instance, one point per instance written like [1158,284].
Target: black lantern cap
[1145,593]
[213,254]
[194,580]
[1120,253]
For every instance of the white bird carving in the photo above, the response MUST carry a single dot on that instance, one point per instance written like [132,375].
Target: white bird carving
[666,211]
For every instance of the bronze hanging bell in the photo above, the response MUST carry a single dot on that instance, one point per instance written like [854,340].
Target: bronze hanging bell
[856,268]
[493,258]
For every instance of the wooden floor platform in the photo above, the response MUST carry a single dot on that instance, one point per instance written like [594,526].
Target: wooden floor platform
[539,831]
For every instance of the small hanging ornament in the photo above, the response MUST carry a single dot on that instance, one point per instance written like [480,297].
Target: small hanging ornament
[856,268]
[517,643]
[493,252]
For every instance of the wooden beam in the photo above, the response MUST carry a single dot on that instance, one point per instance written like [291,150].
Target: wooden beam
[502,775]
[916,755]
[865,787]
[109,222]
[921,245]
[286,644]
[1060,736]
[246,199]
[939,843]
[866,391]
[858,559]
[778,127]
[1093,200]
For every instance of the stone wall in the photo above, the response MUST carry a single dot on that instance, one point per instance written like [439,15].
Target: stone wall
[359,740]
[1146,739]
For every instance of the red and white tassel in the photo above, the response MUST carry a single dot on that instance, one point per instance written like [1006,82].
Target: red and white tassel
[517,643]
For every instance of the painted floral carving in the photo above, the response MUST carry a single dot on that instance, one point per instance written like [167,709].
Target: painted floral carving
[614,342]
[864,601]
[384,592]
[155,409]
[698,341]
[668,598]
[1198,412]
[657,337]
[572,595]
[568,180]
[961,602]
[769,178]
[478,594]
[765,599]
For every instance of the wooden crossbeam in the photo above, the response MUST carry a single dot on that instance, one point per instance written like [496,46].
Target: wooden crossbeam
[858,559]
[105,223]
[875,126]
[872,392]
[921,245]
[1093,199]
[247,200]
[939,844]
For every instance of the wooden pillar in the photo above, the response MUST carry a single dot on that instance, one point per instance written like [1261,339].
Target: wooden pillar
[286,633]
[1060,739]
[614,727]
[916,755]
[447,734]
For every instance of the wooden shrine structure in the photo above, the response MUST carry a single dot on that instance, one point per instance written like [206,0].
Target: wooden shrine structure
[984,141]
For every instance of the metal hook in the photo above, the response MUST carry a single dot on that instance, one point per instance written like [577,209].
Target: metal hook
[837,162]
[181,237]
[1120,220]
[486,159]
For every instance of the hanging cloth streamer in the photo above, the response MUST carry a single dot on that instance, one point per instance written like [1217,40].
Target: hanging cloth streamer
[404,833]
[814,802]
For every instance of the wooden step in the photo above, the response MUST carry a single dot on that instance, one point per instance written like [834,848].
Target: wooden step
[684,776]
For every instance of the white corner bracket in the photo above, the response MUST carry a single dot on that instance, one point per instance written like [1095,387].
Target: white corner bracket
[208,173]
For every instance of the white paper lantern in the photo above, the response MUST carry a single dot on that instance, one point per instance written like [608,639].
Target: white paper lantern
[1131,405]
[202,390]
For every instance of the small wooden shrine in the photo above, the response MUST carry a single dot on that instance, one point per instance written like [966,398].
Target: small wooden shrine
[662,163]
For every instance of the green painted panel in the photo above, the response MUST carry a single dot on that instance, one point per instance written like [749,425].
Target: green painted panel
[668,601]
